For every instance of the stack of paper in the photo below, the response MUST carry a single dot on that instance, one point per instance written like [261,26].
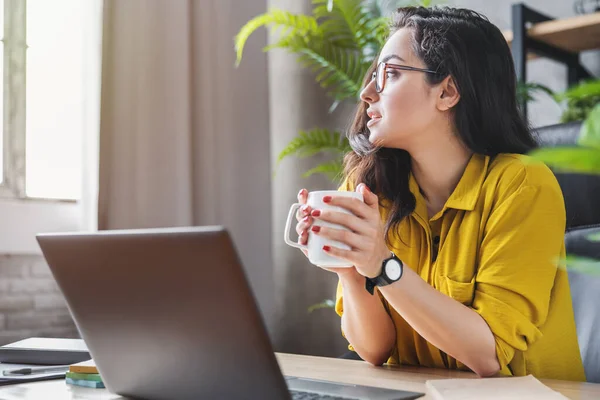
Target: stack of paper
[85,374]
[524,388]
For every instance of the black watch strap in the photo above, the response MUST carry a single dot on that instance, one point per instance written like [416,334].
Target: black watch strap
[382,279]
[370,285]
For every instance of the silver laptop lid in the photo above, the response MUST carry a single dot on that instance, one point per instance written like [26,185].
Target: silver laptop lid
[152,308]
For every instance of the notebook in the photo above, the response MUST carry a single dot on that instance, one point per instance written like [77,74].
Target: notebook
[523,388]
[45,351]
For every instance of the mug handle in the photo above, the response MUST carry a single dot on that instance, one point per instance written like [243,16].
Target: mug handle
[288,225]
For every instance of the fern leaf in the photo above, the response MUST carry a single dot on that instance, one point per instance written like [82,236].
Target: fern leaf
[332,170]
[338,70]
[526,91]
[345,22]
[583,90]
[309,143]
[294,24]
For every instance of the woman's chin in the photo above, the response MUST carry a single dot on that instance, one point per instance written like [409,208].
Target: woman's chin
[376,139]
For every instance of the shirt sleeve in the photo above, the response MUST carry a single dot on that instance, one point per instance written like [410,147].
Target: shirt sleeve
[522,243]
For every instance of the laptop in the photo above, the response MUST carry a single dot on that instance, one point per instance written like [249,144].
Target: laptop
[169,314]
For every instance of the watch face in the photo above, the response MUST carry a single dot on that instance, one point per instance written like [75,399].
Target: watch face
[393,269]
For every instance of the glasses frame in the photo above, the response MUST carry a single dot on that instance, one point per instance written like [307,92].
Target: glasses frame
[383,66]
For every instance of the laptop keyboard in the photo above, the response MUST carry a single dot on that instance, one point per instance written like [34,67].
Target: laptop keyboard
[296,395]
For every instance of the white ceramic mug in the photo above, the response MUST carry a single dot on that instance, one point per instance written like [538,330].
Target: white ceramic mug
[316,254]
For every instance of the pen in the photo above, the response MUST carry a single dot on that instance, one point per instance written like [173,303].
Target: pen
[35,370]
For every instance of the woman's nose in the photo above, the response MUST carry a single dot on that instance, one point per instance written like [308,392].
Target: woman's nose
[369,94]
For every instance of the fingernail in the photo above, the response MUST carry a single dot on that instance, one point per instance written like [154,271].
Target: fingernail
[326,248]
[304,208]
[326,199]
[301,192]
[305,219]
[316,213]
[315,228]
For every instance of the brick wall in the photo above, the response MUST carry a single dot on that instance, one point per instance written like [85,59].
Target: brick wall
[30,302]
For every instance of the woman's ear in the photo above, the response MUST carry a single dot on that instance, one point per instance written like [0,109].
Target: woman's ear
[449,94]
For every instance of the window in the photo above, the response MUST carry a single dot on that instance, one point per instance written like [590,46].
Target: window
[51,55]
[43,99]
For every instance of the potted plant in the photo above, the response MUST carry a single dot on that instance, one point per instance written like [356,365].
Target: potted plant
[584,158]
[580,100]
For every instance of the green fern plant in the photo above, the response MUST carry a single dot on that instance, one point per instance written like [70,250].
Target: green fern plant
[309,143]
[526,91]
[580,100]
[583,158]
[337,42]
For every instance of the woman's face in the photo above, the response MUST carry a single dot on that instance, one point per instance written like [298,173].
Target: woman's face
[406,107]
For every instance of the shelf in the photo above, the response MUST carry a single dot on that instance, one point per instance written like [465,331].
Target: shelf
[573,34]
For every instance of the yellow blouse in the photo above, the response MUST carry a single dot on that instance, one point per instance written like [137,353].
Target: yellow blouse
[494,247]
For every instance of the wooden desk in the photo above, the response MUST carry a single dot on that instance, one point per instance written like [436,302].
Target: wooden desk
[358,372]
[405,378]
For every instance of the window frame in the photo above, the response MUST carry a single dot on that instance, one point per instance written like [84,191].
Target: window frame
[22,217]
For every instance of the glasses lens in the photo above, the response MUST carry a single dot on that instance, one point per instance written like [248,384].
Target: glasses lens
[380,77]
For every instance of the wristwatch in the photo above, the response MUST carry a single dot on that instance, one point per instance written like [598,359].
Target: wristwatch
[391,271]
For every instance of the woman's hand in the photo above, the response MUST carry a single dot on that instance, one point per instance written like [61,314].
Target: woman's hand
[305,221]
[366,235]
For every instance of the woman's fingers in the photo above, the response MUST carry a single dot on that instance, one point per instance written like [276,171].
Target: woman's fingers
[304,218]
[350,221]
[339,235]
[303,211]
[303,238]
[304,224]
[302,196]
[355,206]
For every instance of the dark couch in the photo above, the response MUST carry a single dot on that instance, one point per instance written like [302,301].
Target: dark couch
[582,203]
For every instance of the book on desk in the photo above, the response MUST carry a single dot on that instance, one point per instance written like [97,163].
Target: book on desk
[498,388]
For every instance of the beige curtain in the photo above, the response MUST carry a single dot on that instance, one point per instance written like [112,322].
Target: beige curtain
[184,136]
[188,139]
[297,102]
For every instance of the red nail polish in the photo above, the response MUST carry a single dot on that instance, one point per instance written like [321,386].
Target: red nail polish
[315,228]
[326,199]
[326,248]
[316,213]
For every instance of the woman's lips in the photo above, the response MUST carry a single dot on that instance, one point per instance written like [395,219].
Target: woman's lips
[373,121]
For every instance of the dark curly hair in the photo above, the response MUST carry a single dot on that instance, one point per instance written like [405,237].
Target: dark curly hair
[465,45]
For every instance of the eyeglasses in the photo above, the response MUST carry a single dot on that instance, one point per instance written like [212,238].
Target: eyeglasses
[379,74]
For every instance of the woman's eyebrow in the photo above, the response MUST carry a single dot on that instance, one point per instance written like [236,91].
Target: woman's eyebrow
[390,56]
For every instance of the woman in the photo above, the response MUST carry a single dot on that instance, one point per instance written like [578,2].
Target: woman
[474,227]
